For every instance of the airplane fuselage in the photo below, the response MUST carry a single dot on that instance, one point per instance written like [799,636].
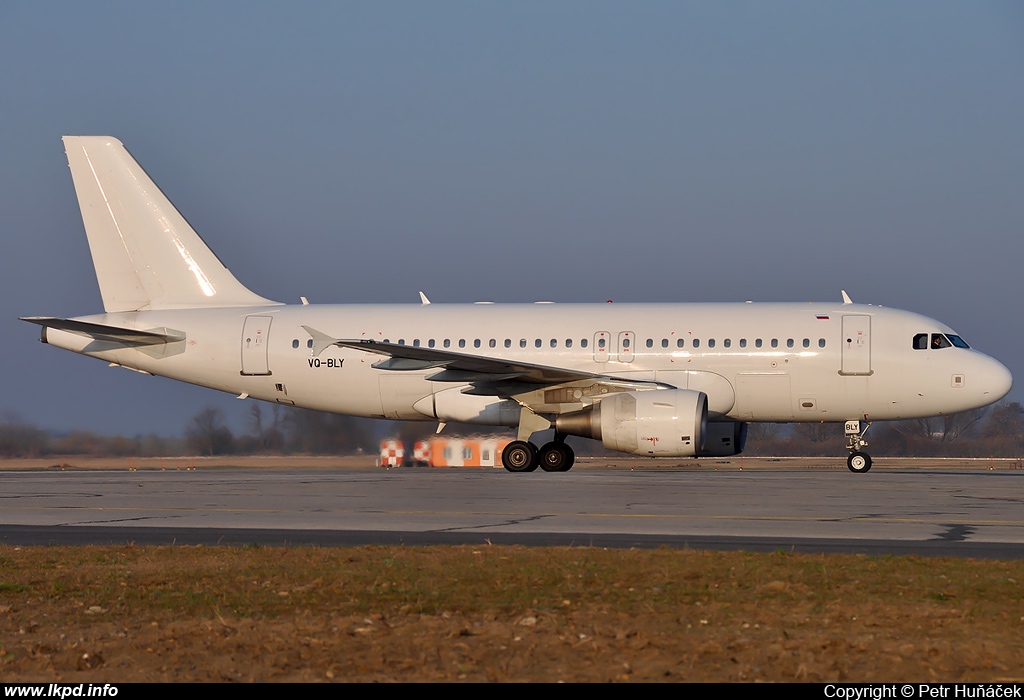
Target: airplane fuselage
[755,361]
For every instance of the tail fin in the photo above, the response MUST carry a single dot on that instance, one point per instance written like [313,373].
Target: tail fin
[145,254]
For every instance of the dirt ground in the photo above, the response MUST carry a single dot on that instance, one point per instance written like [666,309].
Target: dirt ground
[120,614]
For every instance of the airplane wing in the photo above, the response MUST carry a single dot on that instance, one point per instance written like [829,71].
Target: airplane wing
[532,384]
[542,388]
[460,367]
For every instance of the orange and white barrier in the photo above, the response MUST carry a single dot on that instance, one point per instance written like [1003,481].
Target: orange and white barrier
[392,454]
[421,453]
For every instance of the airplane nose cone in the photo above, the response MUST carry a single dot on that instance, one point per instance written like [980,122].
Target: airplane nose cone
[995,380]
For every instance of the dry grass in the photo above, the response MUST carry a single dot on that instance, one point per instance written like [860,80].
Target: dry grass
[108,614]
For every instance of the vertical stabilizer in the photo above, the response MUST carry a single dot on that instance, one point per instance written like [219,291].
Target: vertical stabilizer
[145,254]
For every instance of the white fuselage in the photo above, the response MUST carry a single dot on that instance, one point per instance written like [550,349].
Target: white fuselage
[755,361]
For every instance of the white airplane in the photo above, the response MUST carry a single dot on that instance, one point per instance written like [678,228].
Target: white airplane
[645,379]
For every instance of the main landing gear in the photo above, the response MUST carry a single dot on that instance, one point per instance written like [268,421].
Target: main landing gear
[858,462]
[523,456]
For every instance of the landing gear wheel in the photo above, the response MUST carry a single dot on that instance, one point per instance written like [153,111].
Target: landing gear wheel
[519,456]
[859,462]
[556,457]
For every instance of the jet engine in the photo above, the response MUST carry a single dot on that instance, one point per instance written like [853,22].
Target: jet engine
[659,423]
[724,439]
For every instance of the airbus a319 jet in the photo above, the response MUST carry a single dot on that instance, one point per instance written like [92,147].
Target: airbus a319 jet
[659,380]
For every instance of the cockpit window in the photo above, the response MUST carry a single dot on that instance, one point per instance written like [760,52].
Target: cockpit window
[939,341]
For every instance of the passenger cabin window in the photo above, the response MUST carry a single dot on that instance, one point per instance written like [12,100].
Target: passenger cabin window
[295,343]
[711,343]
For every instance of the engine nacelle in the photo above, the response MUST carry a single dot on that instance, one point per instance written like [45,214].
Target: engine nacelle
[660,423]
[453,405]
[724,439]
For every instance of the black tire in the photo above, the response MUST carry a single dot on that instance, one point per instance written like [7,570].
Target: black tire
[859,462]
[556,457]
[519,456]
[570,461]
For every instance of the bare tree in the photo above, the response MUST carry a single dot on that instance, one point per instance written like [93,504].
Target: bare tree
[1005,420]
[942,429]
[207,434]
[19,439]
[817,432]
[1003,430]
[316,432]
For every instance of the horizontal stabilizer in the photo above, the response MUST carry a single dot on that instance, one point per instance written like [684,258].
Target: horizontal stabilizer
[114,334]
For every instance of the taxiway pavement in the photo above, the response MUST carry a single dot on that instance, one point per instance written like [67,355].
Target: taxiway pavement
[979,514]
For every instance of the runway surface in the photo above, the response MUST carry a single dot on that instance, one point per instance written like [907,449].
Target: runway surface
[949,513]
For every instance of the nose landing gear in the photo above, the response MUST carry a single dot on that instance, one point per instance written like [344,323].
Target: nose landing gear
[858,462]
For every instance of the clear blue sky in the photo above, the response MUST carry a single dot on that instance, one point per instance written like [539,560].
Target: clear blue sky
[515,151]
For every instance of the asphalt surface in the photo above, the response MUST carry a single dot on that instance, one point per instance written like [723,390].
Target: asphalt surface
[940,513]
